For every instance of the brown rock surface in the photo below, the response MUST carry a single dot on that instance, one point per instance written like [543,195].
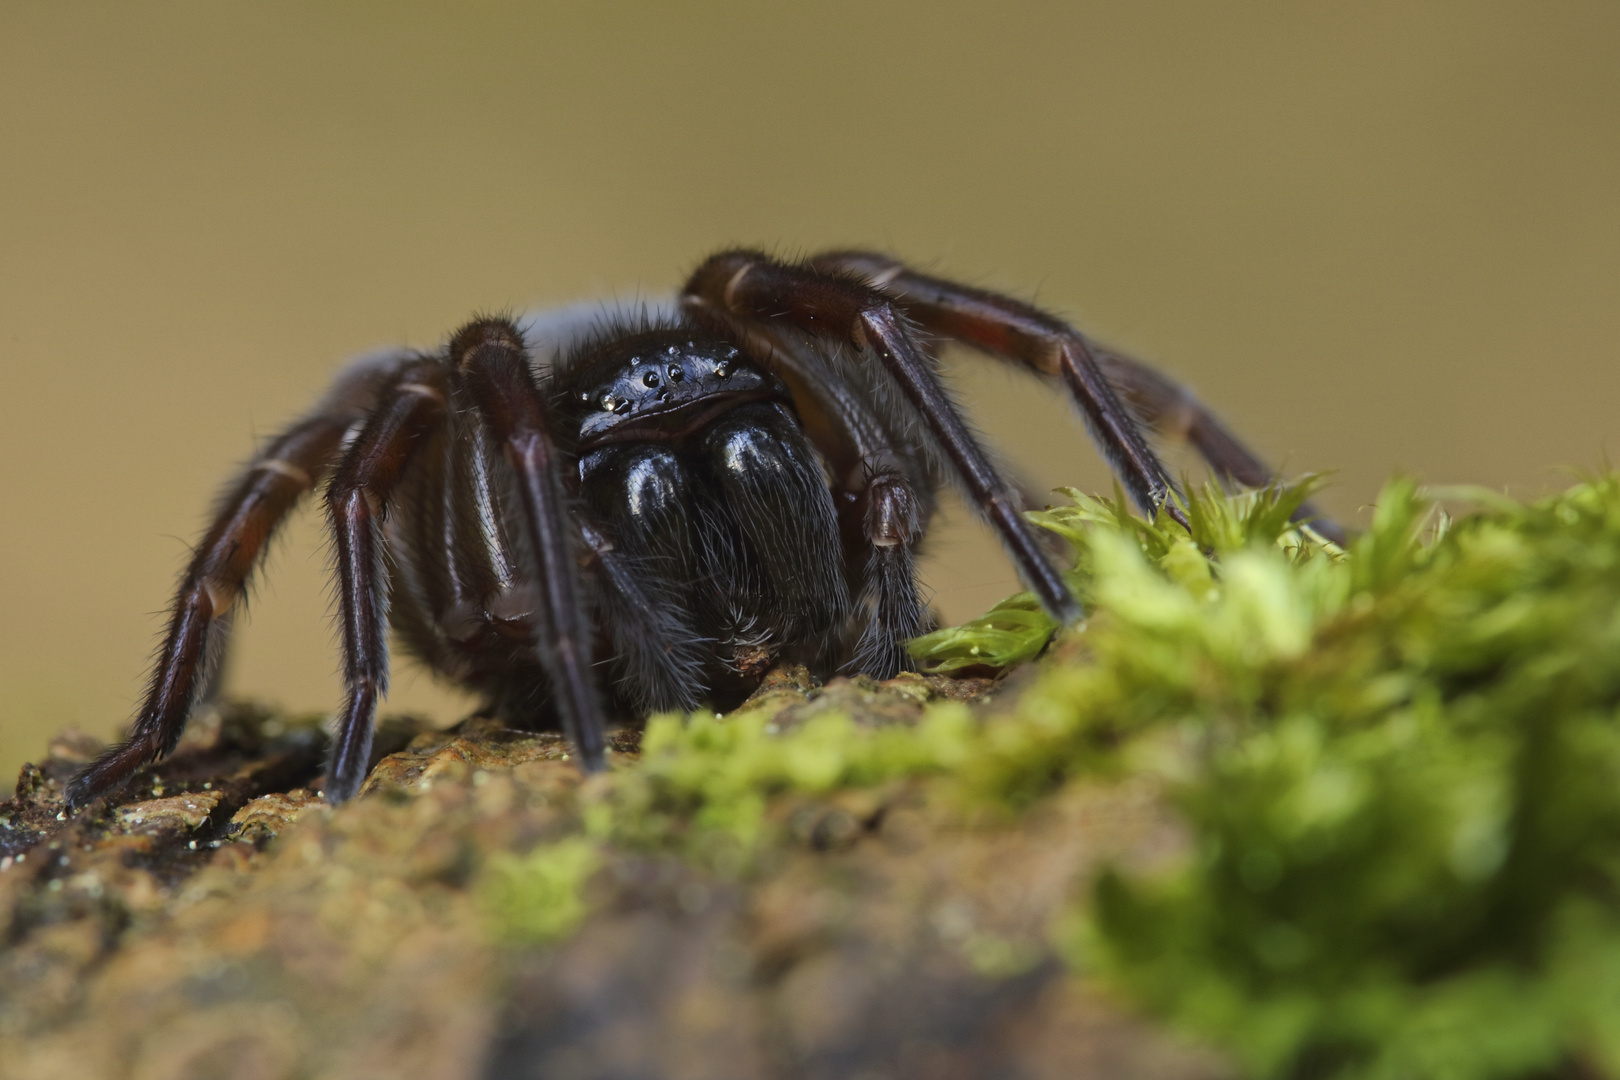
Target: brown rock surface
[223,921]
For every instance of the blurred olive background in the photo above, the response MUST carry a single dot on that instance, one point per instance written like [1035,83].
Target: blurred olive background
[1376,236]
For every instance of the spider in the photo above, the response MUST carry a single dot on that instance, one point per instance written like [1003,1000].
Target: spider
[737,479]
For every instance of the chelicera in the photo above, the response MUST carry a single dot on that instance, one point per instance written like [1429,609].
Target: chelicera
[582,520]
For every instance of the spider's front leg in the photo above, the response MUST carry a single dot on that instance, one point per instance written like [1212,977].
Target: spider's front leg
[356,501]
[488,358]
[739,288]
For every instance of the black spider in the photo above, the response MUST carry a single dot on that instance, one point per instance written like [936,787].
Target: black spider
[736,481]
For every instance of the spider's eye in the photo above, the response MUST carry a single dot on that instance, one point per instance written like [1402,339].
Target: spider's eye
[675,374]
[650,379]
[609,403]
[585,397]
[722,369]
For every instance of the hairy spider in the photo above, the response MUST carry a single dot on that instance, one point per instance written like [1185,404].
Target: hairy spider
[740,478]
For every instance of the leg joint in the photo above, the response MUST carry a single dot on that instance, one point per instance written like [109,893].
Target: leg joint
[893,518]
[492,334]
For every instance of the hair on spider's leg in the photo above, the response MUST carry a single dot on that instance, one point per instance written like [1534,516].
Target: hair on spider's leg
[490,362]
[245,517]
[356,500]
[737,287]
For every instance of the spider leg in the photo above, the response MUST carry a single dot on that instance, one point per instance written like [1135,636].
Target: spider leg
[1171,410]
[882,507]
[743,286]
[246,516]
[1004,327]
[356,501]
[458,599]
[1012,330]
[489,360]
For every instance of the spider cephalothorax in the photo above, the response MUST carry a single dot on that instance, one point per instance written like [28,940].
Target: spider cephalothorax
[739,479]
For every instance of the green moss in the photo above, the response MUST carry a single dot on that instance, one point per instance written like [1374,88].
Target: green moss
[1399,764]
[538,897]
[704,783]
[1402,769]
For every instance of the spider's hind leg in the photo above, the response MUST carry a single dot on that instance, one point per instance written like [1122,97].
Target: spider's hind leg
[246,516]
[1046,345]
[1173,411]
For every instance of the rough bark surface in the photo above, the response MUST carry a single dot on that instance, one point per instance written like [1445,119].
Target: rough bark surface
[222,921]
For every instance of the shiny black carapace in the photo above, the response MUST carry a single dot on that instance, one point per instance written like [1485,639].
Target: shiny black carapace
[580,518]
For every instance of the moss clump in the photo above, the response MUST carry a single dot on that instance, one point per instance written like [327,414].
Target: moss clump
[538,897]
[1398,763]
